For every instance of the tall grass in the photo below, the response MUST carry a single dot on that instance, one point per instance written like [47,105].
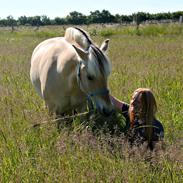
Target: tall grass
[145,30]
[150,59]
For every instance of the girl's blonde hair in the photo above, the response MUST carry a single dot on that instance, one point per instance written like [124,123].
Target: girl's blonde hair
[143,106]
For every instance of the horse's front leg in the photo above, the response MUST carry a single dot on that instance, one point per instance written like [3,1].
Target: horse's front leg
[64,120]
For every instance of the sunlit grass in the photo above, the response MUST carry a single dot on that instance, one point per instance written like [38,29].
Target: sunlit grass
[27,154]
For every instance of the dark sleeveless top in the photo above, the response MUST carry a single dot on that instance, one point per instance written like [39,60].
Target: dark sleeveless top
[139,130]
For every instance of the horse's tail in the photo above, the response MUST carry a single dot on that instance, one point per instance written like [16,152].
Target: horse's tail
[78,37]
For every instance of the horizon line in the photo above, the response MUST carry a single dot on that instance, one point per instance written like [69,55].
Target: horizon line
[89,14]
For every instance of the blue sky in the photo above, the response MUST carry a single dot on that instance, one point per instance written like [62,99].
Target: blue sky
[54,8]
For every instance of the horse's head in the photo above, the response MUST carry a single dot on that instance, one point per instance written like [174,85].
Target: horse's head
[92,73]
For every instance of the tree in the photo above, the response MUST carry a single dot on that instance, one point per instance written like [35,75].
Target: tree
[11,22]
[94,17]
[22,20]
[3,22]
[106,17]
[45,20]
[76,18]
[126,19]
[34,21]
[97,16]
[118,19]
[141,17]
[59,21]
[176,15]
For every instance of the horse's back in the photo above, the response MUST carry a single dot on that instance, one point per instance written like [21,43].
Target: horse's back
[49,63]
[50,48]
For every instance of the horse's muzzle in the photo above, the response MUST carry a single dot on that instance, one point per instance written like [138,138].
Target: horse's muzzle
[107,112]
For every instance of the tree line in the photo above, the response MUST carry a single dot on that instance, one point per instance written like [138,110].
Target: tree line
[77,18]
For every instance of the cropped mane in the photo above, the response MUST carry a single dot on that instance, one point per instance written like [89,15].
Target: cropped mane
[78,37]
[99,64]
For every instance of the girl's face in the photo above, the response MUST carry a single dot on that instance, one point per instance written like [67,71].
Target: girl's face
[135,104]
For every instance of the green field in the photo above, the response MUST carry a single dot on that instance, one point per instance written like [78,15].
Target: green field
[150,57]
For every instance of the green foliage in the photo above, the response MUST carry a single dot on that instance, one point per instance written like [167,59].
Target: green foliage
[107,32]
[77,18]
[101,17]
[27,154]
[144,30]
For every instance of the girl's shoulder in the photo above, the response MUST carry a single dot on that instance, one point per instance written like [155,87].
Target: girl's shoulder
[158,130]
[125,107]
[158,125]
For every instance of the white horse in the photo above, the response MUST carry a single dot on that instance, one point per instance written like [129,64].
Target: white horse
[66,70]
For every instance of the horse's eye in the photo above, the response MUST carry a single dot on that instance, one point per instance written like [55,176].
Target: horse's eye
[90,78]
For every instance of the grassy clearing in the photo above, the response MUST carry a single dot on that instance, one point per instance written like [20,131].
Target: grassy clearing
[145,30]
[148,59]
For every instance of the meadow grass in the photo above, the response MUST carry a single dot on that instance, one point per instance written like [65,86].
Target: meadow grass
[150,58]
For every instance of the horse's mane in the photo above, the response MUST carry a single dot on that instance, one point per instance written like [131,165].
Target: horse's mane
[78,37]
[100,63]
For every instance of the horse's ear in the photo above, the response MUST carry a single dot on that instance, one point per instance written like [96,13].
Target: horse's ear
[105,45]
[82,53]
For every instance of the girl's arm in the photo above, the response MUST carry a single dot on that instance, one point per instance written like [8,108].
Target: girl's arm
[119,105]
[122,108]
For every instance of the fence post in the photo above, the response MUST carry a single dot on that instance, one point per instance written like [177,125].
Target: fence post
[180,19]
[136,20]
